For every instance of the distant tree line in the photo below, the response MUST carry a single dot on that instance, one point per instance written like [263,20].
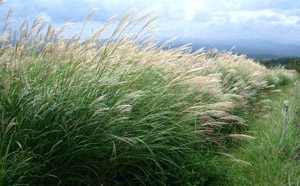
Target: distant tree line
[288,63]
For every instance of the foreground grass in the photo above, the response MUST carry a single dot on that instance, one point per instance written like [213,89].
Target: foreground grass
[271,163]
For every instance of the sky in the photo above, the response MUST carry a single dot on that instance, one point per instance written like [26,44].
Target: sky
[270,20]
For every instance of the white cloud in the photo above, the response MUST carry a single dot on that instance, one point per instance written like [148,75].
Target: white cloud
[223,19]
[191,9]
[266,15]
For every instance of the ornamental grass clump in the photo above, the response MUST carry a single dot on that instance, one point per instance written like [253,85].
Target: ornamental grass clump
[122,110]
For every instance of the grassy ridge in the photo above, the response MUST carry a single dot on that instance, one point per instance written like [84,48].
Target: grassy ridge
[271,163]
[124,111]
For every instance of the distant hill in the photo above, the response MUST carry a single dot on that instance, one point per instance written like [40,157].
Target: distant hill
[288,63]
[259,49]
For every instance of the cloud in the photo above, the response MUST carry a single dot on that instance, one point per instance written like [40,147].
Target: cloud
[276,20]
[191,8]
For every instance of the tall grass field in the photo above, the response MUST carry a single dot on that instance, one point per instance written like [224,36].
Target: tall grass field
[123,110]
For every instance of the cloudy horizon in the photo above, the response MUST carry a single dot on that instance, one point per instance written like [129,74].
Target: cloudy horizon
[270,20]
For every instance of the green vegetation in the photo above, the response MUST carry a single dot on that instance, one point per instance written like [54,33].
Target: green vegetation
[271,163]
[288,63]
[123,111]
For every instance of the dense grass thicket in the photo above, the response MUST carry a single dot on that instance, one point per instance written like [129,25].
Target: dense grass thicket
[119,111]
